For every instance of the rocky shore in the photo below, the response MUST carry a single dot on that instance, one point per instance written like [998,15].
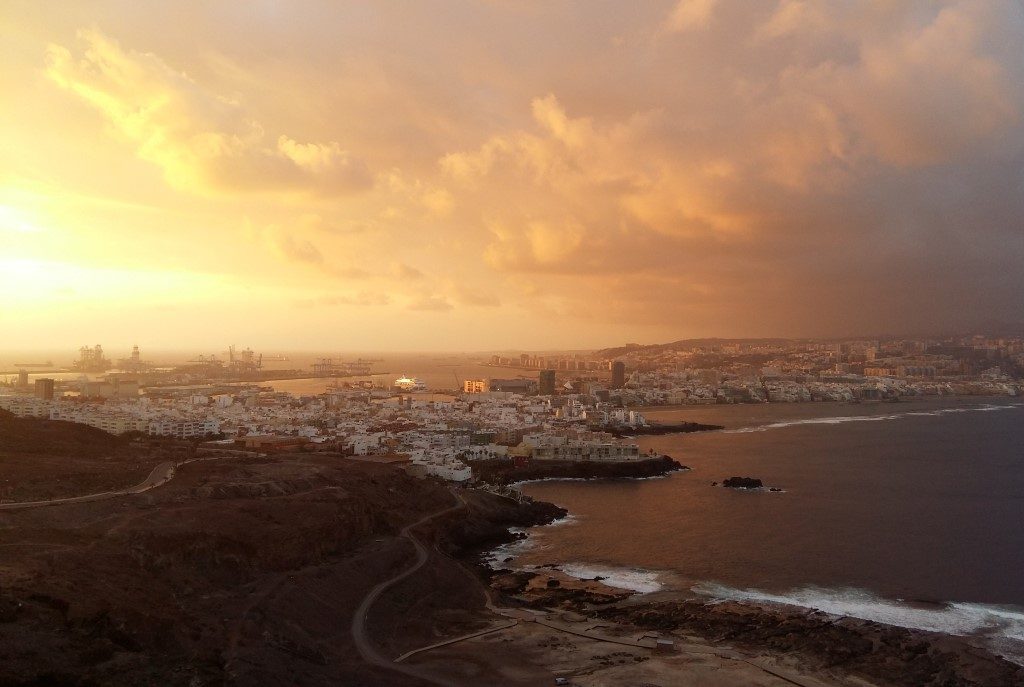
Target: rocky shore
[880,654]
[823,644]
[500,472]
[486,523]
[659,428]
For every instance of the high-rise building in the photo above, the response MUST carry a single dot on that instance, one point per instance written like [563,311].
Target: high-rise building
[44,389]
[547,383]
[126,388]
[618,374]
[23,378]
[475,386]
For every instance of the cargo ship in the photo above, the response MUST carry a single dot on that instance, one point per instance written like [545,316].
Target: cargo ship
[406,383]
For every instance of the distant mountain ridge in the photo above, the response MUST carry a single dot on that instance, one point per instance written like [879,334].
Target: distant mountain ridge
[684,344]
[991,329]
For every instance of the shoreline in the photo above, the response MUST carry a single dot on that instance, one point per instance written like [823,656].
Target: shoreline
[659,429]
[841,645]
[639,598]
[972,398]
[499,472]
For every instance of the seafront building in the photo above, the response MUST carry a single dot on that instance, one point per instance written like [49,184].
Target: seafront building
[557,414]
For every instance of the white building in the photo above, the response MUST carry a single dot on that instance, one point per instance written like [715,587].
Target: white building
[586,451]
[183,428]
[25,406]
[448,469]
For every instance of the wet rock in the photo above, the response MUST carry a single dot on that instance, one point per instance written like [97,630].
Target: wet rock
[505,472]
[878,653]
[743,483]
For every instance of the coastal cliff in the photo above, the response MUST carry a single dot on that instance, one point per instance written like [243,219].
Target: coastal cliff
[505,472]
[655,429]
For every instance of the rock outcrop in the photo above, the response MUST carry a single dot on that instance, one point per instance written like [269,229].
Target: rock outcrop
[743,483]
[880,654]
[506,472]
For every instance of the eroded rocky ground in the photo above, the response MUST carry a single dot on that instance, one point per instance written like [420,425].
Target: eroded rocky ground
[44,459]
[238,571]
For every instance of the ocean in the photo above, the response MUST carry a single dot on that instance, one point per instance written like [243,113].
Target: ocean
[906,513]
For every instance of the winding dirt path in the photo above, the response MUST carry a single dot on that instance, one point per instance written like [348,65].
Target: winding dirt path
[359,635]
[161,474]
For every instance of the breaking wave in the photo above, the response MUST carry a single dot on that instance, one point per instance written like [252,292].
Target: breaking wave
[643,581]
[870,418]
[1002,627]
[592,479]
[569,519]
[495,558]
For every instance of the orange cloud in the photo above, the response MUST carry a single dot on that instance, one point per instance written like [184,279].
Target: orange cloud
[203,142]
[567,171]
[690,15]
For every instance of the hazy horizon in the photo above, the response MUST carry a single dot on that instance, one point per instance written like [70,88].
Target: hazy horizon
[117,350]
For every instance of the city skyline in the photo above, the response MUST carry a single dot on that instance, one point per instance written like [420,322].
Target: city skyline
[395,178]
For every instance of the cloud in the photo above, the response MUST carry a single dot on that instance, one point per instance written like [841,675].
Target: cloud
[291,245]
[471,297]
[361,298]
[793,16]
[439,201]
[690,15]
[317,222]
[297,250]
[538,246]
[430,303]
[806,180]
[729,167]
[925,96]
[404,272]
[202,141]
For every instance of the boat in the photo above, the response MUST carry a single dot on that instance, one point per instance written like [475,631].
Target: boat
[406,383]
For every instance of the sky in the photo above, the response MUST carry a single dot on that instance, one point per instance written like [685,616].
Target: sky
[493,174]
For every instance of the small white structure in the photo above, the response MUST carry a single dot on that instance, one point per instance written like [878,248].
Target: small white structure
[448,469]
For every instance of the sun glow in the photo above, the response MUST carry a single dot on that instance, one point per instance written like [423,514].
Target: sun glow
[30,283]
[714,170]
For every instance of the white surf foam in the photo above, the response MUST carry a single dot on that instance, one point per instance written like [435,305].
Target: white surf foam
[562,522]
[838,420]
[643,581]
[591,479]
[1002,623]
[495,558]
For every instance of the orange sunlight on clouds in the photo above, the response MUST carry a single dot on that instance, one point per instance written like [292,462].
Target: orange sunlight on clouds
[476,175]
